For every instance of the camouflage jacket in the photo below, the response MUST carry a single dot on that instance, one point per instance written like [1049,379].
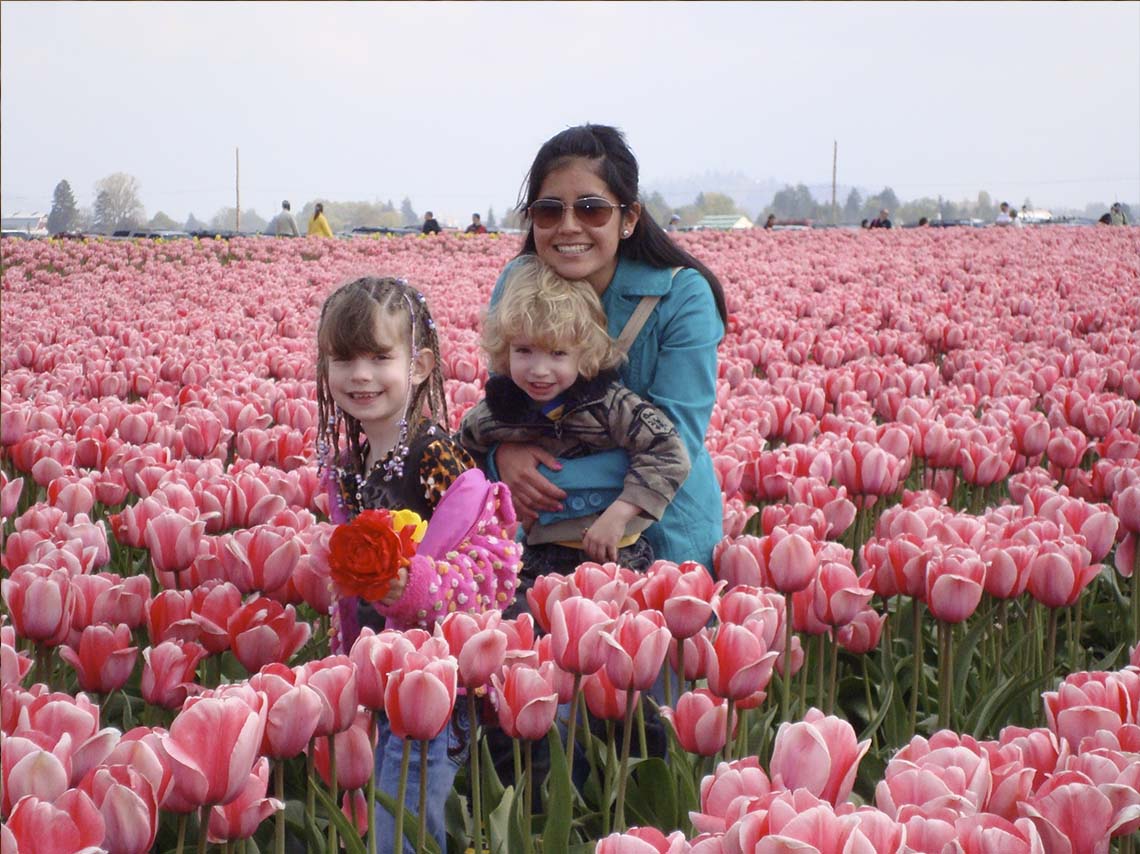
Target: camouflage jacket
[598,415]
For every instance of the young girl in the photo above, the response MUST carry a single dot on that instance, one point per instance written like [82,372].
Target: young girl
[556,385]
[383,444]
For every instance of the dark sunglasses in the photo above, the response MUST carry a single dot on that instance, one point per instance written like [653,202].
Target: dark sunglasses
[591,211]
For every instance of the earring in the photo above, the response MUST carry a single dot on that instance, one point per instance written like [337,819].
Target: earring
[625,233]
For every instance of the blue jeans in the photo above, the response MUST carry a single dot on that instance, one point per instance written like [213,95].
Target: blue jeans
[445,754]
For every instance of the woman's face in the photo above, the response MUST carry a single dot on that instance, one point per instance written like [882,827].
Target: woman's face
[574,250]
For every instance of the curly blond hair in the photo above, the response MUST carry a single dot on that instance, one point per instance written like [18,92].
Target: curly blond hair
[540,306]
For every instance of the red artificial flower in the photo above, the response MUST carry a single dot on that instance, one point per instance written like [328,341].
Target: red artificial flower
[367,553]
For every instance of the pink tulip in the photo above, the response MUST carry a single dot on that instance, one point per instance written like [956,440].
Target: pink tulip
[526,700]
[240,818]
[477,643]
[263,558]
[1058,574]
[294,711]
[692,601]
[727,792]
[128,803]
[862,634]
[14,665]
[168,672]
[741,665]
[699,722]
[10,496]
[819,753]
[954,579]
[69,825]
[30,769]
[643,840]
[637,644]
[103,660]
[792,563]
[603,700]
[217,776]
[577,624]
[173,541]
[355,759]
[419,702]
[740,562]
[375,656]
[334,679]
[40,602]
[1071,815]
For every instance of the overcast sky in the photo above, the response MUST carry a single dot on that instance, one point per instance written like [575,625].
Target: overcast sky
[448,102]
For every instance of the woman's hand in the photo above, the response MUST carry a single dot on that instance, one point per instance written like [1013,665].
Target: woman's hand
[531,493]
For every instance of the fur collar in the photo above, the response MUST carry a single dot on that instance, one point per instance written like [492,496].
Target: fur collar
[509,403]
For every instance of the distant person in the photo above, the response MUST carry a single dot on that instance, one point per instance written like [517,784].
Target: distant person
[318,225]
[770,222]
[283,224]
[1106,219]
[1003,217]
[476,226]
[1014,220]
[674,223]
[865,223]
[430,224]
[923,222]
[1116,215]
[883,220]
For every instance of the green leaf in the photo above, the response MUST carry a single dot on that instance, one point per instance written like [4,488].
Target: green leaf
[556,831]
[492,788]
[499,820]
[348,834]
[994,710]
[517,835]
[651,799]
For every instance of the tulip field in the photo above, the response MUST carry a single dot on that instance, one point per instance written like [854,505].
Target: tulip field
[919,632]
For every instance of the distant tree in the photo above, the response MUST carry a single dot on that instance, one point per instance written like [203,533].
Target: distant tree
[408,213]
[226,220]
[84,221]
[162,221]
[64,211]
[984,207]
[490,223]
[194,224]
[103,218]
[852,206]
[1027,204]
[794,203]
[716,204]
[658,208]
[121,206]
[888,199]
[909,213]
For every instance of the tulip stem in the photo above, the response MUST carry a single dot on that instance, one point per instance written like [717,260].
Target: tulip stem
[401,794]
[728,730]
[786,694]
[870,703]
[946,678]
[279,793]
[641,742]
[311,782]
[916,688]
[1050,647]
[334,791]
[528,801]
[820,672]
[571,727]
[421,838]
[1078,650]
[203,827]
[476,787]
[833,679]
[680,666]
[181,832]
[1136,594]
[372,737]
[627,734]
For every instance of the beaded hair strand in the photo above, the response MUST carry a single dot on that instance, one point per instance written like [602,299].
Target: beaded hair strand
[346,326]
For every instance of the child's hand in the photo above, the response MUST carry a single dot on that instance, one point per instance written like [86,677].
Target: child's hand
[396,588]
[600,540]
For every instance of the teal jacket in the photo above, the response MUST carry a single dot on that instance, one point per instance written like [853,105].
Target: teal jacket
[672,364]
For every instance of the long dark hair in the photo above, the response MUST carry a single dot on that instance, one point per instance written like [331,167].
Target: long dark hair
[617,166]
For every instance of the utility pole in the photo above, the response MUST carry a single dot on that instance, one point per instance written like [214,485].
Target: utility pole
[834,164]
[237,190]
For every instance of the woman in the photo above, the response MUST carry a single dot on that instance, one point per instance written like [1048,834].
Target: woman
[318,225]
[587,223]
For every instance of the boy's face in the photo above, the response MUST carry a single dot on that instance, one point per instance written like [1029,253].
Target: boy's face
[540,372]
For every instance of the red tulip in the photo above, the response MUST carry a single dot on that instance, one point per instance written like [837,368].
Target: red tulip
[262,631]
[240,818]
[103,660]
[168,672]
[233,730]
[526,700]
[419,702]
[699,721]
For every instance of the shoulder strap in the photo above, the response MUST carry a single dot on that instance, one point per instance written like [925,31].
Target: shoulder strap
[637,319]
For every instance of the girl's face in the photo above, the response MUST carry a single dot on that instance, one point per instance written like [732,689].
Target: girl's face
[575,250]
[541,372]
[374,387]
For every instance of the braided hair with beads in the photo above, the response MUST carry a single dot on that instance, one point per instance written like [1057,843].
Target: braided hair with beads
[347,327]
